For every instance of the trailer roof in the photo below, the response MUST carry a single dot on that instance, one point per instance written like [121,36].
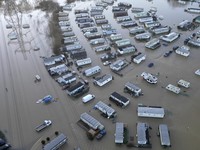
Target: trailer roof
[164,135]
[105,108]
[119,132]
[56,142]
[89,120]
[141,133]
[120,97]
[150,111]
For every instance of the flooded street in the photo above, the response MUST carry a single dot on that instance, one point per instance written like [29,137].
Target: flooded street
[20,113]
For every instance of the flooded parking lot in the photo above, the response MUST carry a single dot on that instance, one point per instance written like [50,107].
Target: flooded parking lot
[21,58]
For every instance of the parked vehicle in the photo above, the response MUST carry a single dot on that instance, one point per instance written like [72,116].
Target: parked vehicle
[88,98]
[101,134]
[42,126]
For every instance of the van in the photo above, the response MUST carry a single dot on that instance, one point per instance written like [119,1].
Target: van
[88,98]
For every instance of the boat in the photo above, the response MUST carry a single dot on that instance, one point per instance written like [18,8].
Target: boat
[149,78]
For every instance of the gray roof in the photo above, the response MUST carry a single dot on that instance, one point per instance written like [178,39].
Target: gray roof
[103,78]
[141,133]
[56,143]
[132,87]
[53,60]
[90,70]
[89,120]
[140,56]
[150,111]
[117,65]
[164,135]
[105,108]
[58,69]
[119,132]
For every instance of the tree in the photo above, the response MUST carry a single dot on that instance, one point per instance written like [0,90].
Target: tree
[56,133]
[43,142]
[48,139]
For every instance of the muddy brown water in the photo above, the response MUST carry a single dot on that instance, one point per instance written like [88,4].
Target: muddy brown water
[20,114]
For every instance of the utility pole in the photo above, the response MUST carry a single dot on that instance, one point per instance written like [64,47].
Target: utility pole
[13,14]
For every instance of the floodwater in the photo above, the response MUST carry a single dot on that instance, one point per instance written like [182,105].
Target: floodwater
[20,114]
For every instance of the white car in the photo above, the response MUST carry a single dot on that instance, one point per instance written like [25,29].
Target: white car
[88,98]
[106,63]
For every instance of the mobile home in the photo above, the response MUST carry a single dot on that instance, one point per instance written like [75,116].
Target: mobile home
[92,71]
[103,80]
[126,50]
[123,43]
[53,60]
[97,41]
[101,21]
[145,19]
[150,111]
[170,37]
[132,89]
[160,30]
[142,134]
[136,30]
[101,48]
[124,18]
[193,42]
[56,143]
[115,37]
[58,70]
[164,135]
[153,44]
[78,89]
[141,14]
[107,110]
[91,121]
[119,133]
[90,30]
[117,65]
[138,59]
[128,24]
[143,36]
[152,24]
[66,79]
[119,99]
[83,62]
